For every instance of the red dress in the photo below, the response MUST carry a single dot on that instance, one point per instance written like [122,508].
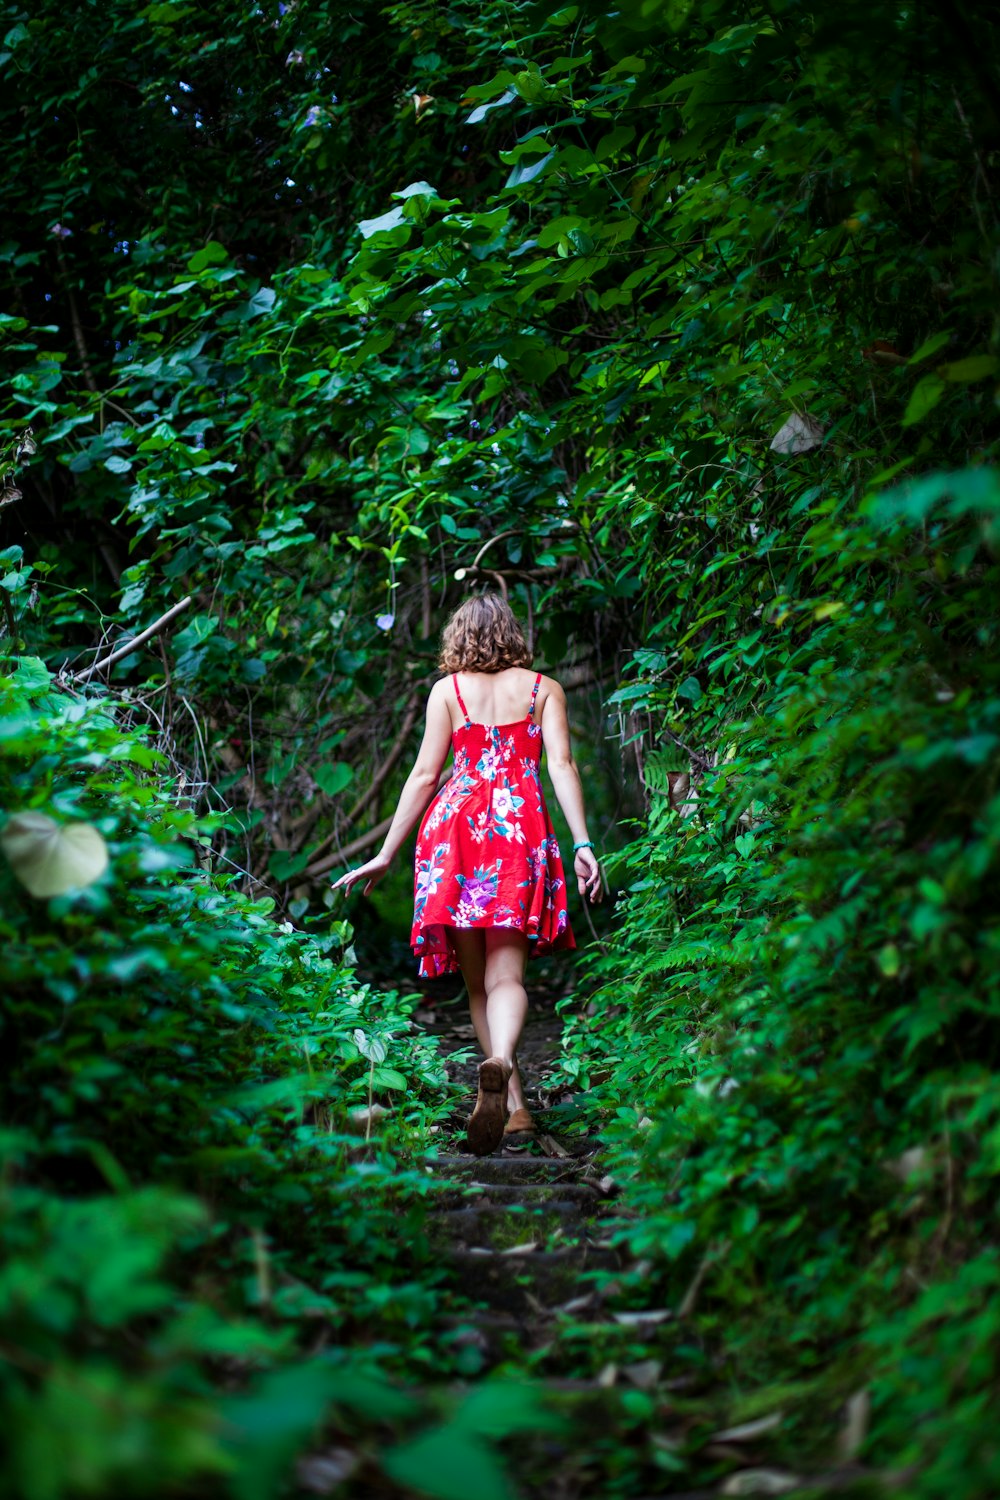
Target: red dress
[486,852]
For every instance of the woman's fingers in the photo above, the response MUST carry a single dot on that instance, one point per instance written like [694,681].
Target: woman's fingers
[371,873]
[589,880]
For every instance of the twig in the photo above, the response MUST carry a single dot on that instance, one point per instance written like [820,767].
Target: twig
[498,578]
[492,542]
[693,755]
[590,923]
[134,643]
[425,599]
[8,610]
[364,841]
[357,846]
[691,1295]
[77,326]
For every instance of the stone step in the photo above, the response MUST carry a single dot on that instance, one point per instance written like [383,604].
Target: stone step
[530,1194]
[508,1281]
[501,1226]
[504,1168]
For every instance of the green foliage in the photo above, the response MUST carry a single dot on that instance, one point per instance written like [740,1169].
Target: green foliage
[680,320]
[179,1159]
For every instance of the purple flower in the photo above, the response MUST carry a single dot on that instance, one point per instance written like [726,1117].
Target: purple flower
[385,622]
[60,232]
[313,115]
[478,891]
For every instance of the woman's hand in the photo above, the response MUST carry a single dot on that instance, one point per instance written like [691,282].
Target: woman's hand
[371,873]
[588,874]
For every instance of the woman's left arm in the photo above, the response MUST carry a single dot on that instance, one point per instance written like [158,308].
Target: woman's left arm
[417,792]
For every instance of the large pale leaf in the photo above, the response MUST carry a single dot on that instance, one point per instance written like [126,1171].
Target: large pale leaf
[799,433]
[51,858]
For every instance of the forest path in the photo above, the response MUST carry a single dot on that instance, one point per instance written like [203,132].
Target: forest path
[539,1289]
[519,1230]
[536,1278]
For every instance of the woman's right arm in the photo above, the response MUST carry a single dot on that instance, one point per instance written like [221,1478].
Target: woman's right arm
[417,792]
[568,788]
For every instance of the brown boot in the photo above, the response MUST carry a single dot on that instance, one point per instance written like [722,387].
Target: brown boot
[486,1126]
[520,1123]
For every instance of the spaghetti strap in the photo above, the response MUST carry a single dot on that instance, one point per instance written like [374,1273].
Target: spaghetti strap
[534,695]
[461,703]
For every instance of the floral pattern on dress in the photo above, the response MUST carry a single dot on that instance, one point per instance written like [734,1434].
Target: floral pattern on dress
[492,805]
[428,877]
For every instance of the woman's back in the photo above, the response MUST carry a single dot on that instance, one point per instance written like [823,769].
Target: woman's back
[497,697]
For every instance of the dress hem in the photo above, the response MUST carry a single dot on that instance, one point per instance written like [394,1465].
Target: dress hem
[443,954]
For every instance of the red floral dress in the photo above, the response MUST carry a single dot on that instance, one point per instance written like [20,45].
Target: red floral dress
[486,852]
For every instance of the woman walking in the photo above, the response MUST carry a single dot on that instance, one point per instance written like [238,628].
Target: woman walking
[490,886]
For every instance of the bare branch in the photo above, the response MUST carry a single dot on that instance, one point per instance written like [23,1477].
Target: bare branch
[134,643]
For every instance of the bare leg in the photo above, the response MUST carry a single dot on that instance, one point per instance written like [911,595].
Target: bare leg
[506,1000]
[471,951]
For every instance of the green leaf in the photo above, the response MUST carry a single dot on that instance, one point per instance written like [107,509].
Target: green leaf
[523,172]
[482,110]
[212,254]
[448,1464]
[266,1427]
[394,219]
[333,779]
[930,346]
[262,301]
[388,1078]
[32,676]
[923,398]
[416,190]
[974,367]
[371,1047]
[499,1408]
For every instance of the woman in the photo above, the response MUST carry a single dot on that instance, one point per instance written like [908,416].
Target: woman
[490,886]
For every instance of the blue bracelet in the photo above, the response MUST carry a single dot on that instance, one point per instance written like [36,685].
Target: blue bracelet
[583,844]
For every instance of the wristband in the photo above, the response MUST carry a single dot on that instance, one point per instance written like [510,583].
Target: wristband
[583,844]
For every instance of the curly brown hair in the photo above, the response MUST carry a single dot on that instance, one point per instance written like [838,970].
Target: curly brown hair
[483,636]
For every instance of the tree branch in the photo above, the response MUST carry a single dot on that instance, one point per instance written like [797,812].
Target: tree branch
[360,844]
[134,643]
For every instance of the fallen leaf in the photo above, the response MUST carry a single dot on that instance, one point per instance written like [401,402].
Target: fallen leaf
[747,1430]
[321,1473]
[644,1374]
[648,1315]
[857,1414]
[761,1482]
[575,1304]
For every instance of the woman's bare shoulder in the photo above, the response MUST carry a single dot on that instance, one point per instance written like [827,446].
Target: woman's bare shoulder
[439,692]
